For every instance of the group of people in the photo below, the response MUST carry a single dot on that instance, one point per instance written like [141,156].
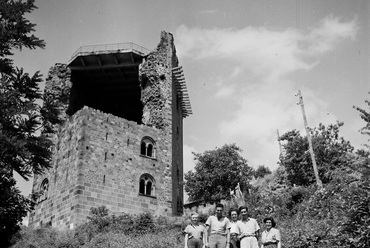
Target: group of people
[222,232]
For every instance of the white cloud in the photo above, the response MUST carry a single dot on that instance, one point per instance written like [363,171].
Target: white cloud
[261,87]
[225,91]
[324,37]
[270,53]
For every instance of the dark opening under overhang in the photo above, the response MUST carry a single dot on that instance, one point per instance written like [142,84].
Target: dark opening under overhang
[107,81]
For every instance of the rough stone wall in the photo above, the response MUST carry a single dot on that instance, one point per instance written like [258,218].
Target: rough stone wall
[155,78]
[111,165]
[58,208]
[58,86]
[161,106]
[98,162]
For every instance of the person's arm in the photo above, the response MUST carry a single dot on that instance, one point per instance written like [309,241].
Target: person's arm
[262,239]
[258,231]
[278,238]
[238,232]
[228,237]
[258,234]
[186,240]
[206,236]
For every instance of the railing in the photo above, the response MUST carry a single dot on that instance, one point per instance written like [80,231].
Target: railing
[129,46]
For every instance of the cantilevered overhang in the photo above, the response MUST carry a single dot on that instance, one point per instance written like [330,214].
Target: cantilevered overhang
[182,91]
[105,77]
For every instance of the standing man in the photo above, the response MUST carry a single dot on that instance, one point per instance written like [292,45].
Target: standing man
[194,233]
[248,230]
[219,228]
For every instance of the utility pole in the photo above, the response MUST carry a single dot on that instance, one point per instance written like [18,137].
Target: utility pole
[318,181]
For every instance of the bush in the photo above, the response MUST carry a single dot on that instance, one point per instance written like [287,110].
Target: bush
[107,231]
[44,237]
[163,238]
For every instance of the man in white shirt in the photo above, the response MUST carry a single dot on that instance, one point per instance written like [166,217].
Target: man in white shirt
[248,230]
[219,227]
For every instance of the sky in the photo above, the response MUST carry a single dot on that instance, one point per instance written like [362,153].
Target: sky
[243,60]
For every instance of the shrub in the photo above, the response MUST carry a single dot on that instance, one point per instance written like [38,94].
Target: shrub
[165,238]
[45,237]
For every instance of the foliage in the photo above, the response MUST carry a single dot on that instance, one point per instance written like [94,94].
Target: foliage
[102,230]
[101,222]
[216,172]
[331,152]
[16,31]
[365,115]
[22,148]
[163,238]
[13,206]
[338,215]
[261,171]
[44,237]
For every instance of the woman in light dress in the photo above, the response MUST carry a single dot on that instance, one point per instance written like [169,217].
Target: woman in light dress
[234,241]
[271,236]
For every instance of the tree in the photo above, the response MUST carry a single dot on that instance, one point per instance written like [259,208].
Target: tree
[331,152]
[261,171]
[24,124]
[16,31]
[216,173]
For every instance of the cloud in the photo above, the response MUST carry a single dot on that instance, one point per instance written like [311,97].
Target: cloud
[260,62]
[225,91]
[264,109]
[326,36]
[266,52]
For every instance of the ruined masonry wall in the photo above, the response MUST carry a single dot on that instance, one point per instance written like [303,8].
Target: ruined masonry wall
[58,86]
[58,207]
[161,107]
[98,162]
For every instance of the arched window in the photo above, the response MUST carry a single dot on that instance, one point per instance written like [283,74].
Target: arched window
[44,188]
[142,186]
[148,188]
[149,150]
[147,185]
[143,148]
[147,147]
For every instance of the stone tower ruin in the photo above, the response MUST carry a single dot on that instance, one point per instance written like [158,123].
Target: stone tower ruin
[121,143]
